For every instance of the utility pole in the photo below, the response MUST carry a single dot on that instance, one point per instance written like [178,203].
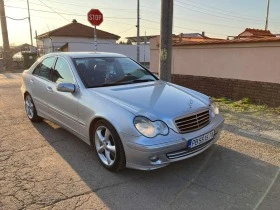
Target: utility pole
[30,28]
[138,31]
[267,13]
[6,45]
[165,56]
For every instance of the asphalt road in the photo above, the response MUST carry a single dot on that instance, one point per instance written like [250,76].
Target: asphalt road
[44,166]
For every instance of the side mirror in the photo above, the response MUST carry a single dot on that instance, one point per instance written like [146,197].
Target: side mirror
[66,87]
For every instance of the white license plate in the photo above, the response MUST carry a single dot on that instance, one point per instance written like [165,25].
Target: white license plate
[201,139]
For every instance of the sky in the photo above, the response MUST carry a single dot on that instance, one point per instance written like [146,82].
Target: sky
[218,18]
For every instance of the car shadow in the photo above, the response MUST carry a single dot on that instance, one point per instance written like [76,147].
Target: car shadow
[219,178]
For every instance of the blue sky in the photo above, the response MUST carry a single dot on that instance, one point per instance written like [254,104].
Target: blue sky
[218,18]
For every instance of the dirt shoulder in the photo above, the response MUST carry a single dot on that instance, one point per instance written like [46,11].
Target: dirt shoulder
[12,70]
[248,119]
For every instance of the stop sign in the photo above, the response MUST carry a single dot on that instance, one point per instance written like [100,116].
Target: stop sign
[95,17]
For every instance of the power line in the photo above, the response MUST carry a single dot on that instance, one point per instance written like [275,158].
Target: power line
[126,30]
[16,18]
[72,14]
[54,10]
[152,28]
[202,22]
[206,23]
[228,11]
[224,14]
[219,16]
[87,6]
[185,27]
[80,5]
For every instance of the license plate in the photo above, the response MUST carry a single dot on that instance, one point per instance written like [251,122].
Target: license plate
[201,139]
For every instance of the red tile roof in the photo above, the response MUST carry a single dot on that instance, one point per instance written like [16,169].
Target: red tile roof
[224,41]
[257,32]
[76,29]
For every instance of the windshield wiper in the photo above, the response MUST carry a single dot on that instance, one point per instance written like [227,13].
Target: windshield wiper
[142,80]
[123,83]
[106,85]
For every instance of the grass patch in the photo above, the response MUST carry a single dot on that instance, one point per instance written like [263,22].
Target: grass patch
[245,105]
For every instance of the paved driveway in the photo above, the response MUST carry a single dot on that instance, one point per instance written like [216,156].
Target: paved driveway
[44,166]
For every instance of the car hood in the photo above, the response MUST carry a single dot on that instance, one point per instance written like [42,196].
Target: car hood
[155,100]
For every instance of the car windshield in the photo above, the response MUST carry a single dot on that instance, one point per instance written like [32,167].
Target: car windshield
[109,71]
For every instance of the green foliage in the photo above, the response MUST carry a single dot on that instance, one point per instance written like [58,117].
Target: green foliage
[245,105]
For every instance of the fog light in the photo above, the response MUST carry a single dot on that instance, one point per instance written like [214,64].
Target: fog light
[154,159]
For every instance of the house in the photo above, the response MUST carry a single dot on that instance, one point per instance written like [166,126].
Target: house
[142,39]
[76,37]
[254,33]
[26,47]
[72,33]
[236,68]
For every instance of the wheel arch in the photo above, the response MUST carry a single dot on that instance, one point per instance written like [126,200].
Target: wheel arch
[25,94]
[93,122]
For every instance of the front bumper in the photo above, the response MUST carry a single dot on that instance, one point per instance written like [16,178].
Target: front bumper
[148,154]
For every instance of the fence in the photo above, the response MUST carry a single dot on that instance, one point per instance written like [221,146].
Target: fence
[227,70]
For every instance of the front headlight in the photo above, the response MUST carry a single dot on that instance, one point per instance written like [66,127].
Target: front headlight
[214,108]
[149,128]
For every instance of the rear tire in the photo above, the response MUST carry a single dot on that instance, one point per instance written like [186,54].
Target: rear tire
[30,109]
[108,146]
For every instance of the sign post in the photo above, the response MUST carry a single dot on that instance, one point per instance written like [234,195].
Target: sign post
[95,17]
[95,39]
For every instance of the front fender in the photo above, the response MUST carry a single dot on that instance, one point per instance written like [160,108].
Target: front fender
[93,106]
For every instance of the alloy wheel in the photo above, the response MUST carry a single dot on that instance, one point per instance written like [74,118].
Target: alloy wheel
[29,107]
[105,145]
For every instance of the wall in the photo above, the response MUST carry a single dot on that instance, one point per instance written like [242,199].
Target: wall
[258,92]
[231,70]
[254,62]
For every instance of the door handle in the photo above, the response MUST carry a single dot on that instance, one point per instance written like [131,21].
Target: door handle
[49,89]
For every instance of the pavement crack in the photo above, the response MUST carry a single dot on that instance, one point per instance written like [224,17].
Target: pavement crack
[67,198]
[213,190]
[187,186]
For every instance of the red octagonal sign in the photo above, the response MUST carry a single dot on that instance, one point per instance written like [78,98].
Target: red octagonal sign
[95,17]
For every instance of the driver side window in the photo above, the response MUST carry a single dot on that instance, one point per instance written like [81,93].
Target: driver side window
[62,72]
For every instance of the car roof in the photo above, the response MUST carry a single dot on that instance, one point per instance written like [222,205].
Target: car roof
[86,54]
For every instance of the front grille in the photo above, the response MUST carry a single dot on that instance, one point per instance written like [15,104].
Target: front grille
[187,151]
[193,122]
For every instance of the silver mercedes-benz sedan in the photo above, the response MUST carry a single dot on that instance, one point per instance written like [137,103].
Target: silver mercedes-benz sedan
[130,117]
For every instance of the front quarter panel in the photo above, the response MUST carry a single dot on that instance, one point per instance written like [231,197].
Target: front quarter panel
[93,106]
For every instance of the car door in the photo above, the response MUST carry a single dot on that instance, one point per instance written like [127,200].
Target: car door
[39,82]
[63,105]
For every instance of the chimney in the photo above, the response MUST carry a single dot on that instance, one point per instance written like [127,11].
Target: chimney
[180,37]
[203,33]
[74,21]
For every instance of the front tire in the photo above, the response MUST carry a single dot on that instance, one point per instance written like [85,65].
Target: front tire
[108,146]
[30,109]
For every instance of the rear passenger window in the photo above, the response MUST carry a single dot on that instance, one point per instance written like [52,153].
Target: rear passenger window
[44,68]
[62,72]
